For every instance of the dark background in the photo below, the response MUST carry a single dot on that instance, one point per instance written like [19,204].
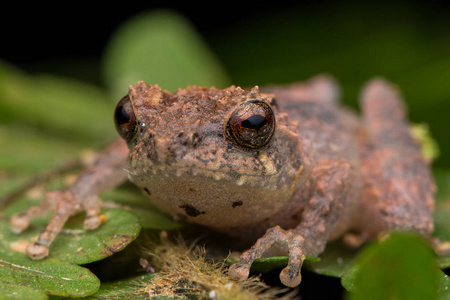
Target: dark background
[38,33]
[34,34]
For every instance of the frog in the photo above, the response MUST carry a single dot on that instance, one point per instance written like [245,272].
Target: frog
[285,167]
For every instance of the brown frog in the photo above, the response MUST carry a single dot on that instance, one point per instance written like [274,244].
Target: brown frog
[285,164]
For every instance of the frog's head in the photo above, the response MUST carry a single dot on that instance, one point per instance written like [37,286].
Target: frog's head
[221,158]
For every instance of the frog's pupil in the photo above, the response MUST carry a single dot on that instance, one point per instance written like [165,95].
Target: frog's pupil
[122,115]
[254,122]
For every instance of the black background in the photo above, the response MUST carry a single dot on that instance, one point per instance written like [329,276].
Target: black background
[35,32]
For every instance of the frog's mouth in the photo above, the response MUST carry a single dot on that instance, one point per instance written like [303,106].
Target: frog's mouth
[265,180]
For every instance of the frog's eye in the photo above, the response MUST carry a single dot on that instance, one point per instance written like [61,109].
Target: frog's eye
[125,118]
[251,125]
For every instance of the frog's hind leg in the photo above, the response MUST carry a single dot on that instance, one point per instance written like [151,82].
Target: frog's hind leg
[398,185]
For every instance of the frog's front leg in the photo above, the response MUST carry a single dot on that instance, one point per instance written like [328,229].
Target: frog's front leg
[104,174]
[331,181]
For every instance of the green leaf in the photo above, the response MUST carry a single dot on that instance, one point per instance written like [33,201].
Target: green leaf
[443,291]
[53,276]
[35,150]
[76,245]
[120,229]
[402,266]
[444,287]
[64,108]
[348,281]
[267,264]
[160,47]
[20,292]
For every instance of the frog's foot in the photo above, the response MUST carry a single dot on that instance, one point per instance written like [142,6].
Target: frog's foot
[289,276]
[441,248]
[64,205]
[355,240]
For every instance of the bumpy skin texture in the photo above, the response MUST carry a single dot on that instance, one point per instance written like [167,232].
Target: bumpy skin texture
[306,172]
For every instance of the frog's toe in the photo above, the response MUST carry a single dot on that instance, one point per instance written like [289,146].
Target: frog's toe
[93,214]
[239,271]
[19,222]
[325,88]
[92,222]
[37,251]
[291,276]
[442,248]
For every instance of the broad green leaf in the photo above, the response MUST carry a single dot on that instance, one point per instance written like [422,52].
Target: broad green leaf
[120,229]
[76,245]
[64,108]
[53,276]
[20,292]
[402,266]
[160,47]
[443,291]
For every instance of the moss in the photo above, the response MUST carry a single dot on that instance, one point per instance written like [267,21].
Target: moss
[185,272]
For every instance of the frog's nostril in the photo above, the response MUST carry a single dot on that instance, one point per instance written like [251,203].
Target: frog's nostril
[192,139]
[195,139]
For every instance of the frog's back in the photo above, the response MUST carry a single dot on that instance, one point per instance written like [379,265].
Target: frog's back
[328,131]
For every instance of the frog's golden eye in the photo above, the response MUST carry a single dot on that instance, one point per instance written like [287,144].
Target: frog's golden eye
[125,118]
[251,125]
